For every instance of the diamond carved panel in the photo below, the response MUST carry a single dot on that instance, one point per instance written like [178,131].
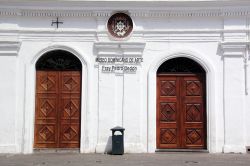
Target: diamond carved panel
[193,113]
[168,112]
[168,88]
[168,136]
[47,83]
[46,108]
[46,133]
[70,108]
[193,136]
[193,88]
[70,133]
[70,83]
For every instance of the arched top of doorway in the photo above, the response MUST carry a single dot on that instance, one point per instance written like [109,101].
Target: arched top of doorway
[58,60]
[180,65]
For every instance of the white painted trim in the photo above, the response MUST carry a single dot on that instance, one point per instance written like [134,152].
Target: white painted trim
[210,85]
[82,32]
[139,36]
[240,49]
[9,48]
[234,48]
[30,97]
[119,48]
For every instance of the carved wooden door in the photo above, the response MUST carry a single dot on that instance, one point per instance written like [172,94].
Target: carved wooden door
[181,114]
[57,117]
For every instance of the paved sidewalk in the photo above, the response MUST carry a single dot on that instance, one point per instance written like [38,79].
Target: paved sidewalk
[161,159]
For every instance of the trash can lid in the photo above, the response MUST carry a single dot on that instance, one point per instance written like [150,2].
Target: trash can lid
[117,128]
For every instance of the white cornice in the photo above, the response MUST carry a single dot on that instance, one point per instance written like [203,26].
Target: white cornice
[174,35]
[119,48]
[49,13]
[195,12]
[8,12]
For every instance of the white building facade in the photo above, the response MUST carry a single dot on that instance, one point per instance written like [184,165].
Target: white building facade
[119,82]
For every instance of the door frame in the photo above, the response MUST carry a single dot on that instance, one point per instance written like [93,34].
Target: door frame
[29,91]
[210,100]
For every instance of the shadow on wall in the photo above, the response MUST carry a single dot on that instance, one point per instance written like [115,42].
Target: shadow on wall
[108,148]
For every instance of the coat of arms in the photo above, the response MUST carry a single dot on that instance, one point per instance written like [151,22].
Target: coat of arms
[120,25]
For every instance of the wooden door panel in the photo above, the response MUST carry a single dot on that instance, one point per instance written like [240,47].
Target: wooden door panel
[46,107]
[69,135]
[46,82]
[193,119]
[70,109]
[70,121]
[70,82]
[46,110]
[45,135]
[167,87]
[193,112]
[181,113]
[167,133]
[168,137]
[194,137]
[58,104]
[193,85]
[167,112]
[45,121]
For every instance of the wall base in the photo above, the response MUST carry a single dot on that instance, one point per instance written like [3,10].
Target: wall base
[8,149]
[128,148]
[234,149]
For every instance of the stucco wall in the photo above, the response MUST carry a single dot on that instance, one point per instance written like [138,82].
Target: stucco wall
[8,81]
[216,39]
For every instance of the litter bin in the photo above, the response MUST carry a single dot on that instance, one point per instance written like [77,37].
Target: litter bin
[117,140]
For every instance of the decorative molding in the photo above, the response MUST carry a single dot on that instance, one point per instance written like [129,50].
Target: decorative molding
[246,64]
[165,35]
[119,48]
[191,12]
[9,48]
[234,48]
[240,49]
[178,13]
[156,35]
[102,13]
[53,13]
[120,25]
[9,12]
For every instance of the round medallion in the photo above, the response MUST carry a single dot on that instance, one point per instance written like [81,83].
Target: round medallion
[120,25]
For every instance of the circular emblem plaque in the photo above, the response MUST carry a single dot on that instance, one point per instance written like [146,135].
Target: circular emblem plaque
[120,25]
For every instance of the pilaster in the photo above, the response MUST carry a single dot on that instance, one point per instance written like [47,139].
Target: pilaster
[233,54]
[113,59]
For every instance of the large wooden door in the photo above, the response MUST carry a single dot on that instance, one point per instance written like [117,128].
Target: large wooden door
[181,114]
[57,117]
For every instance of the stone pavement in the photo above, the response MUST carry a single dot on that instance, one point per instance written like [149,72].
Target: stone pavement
[161,159]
